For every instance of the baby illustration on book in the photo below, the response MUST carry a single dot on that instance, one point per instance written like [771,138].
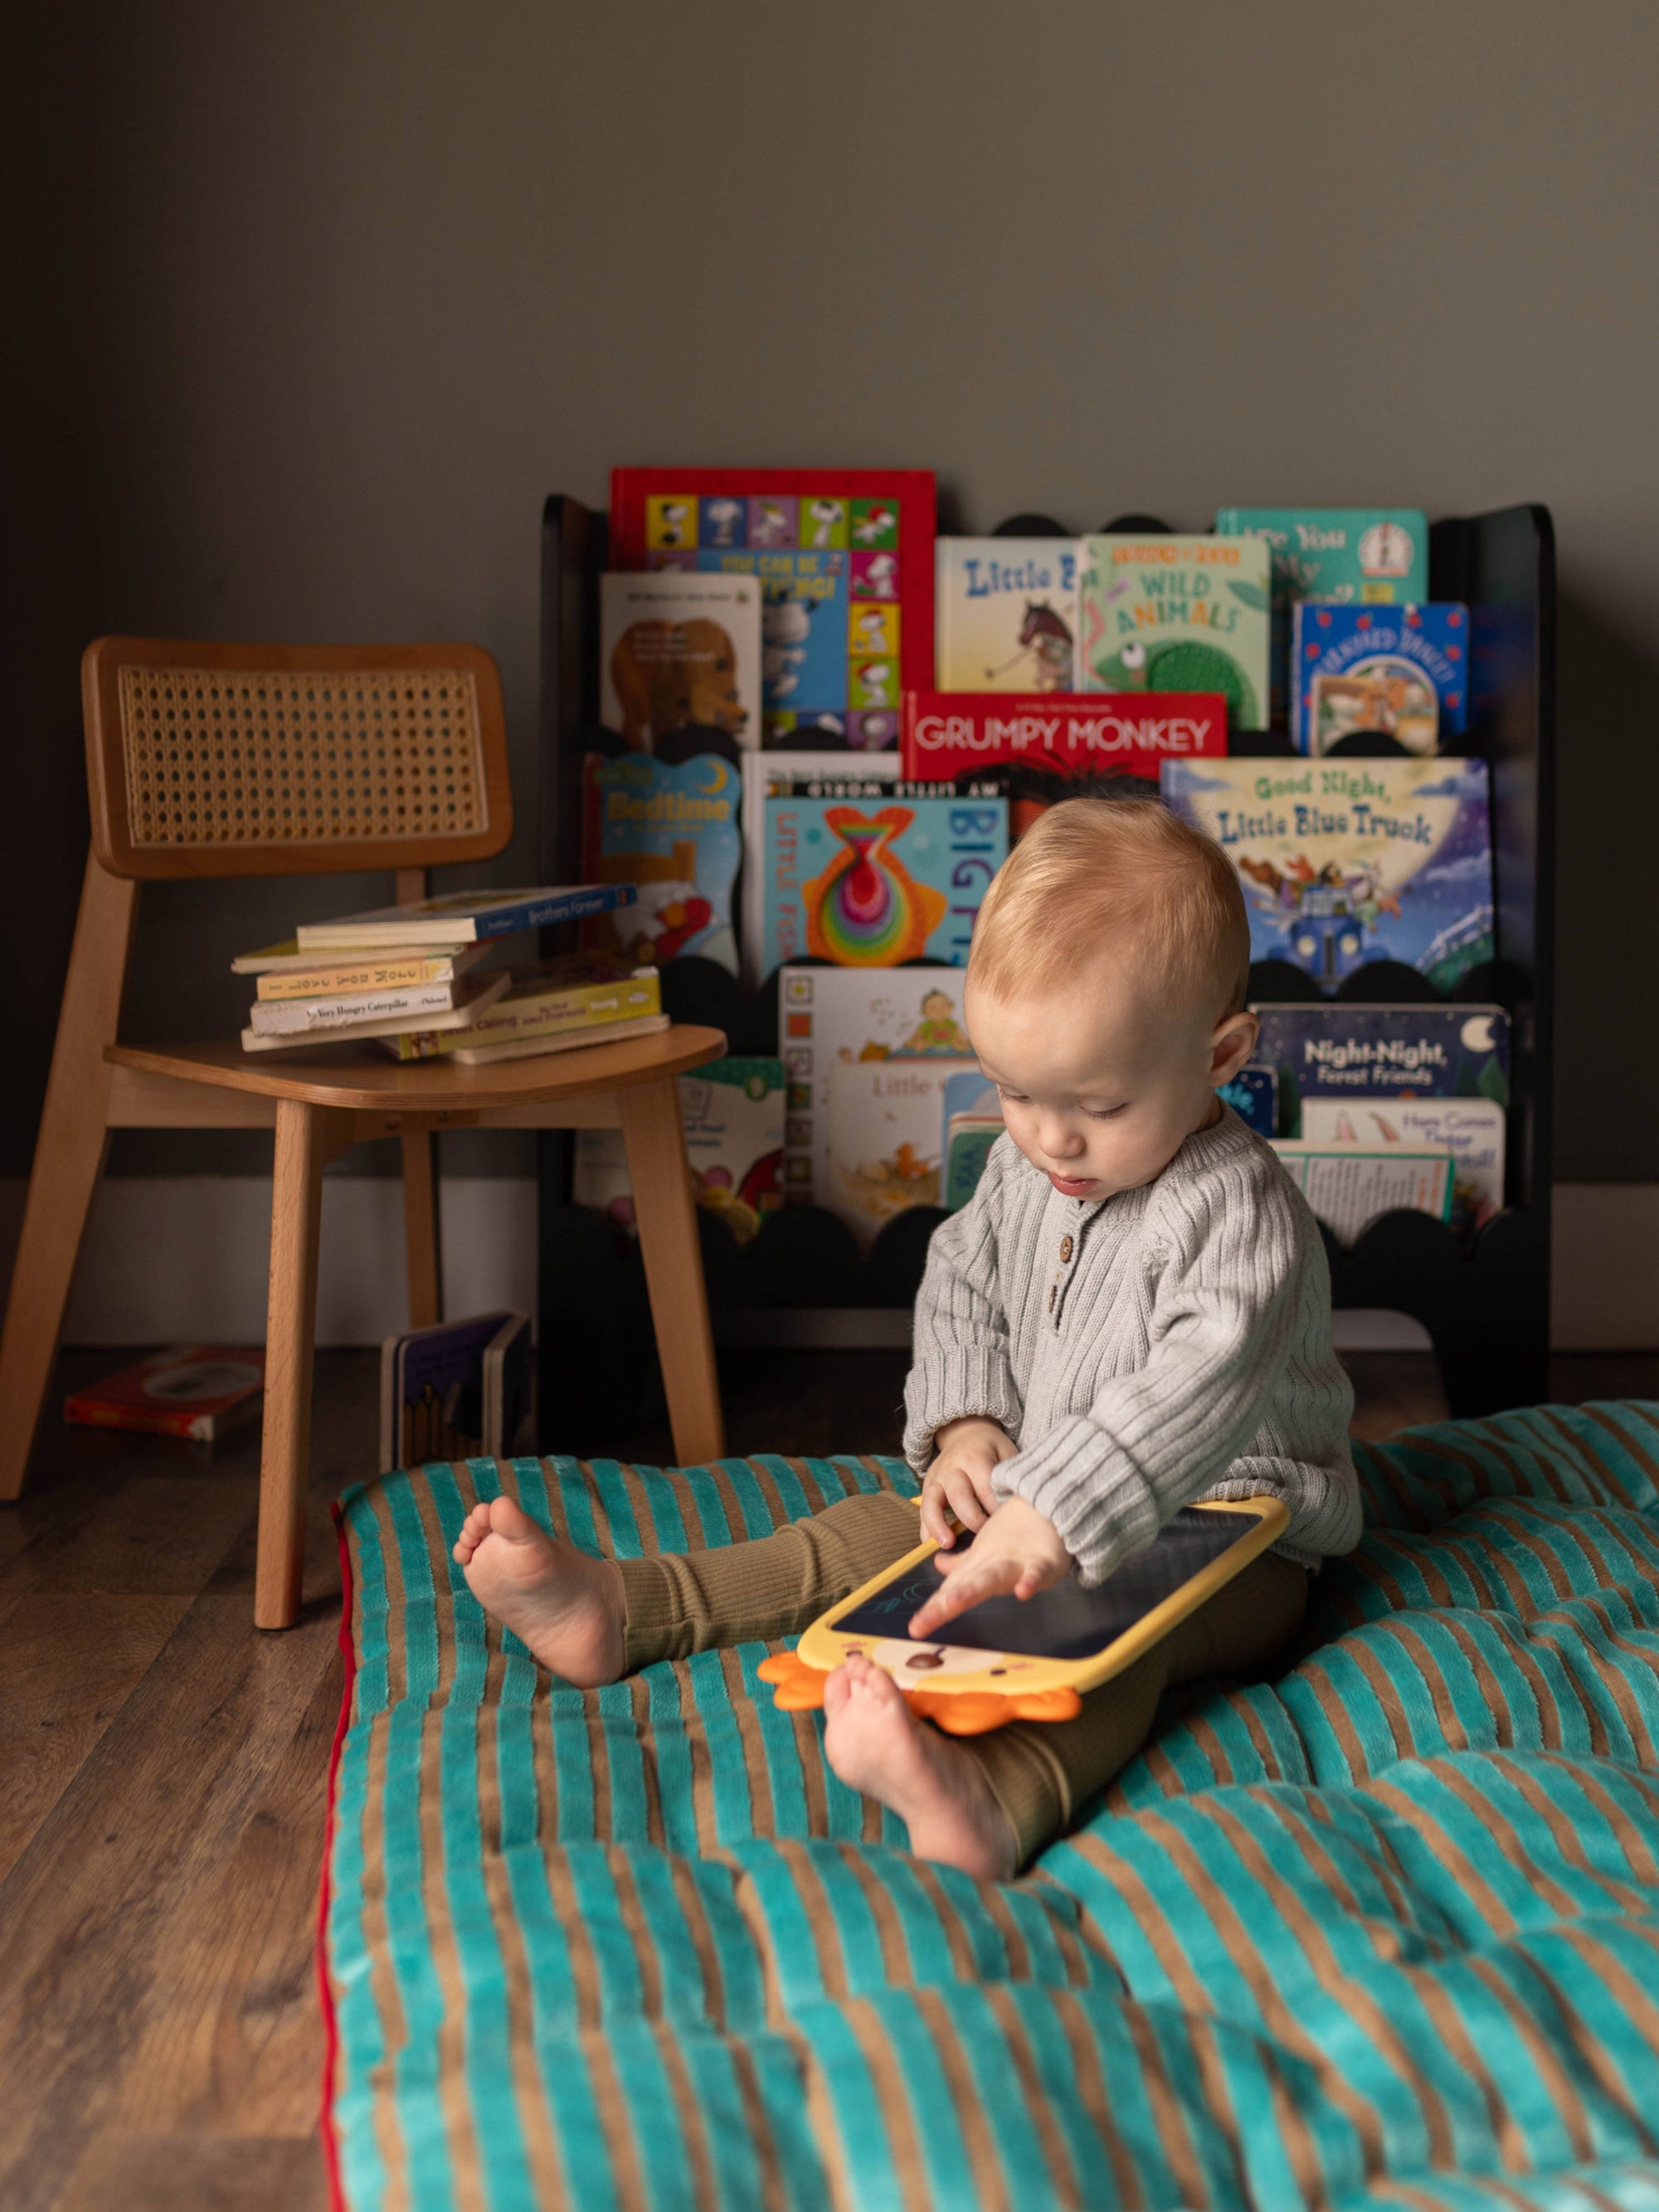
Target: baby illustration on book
[1131,1316]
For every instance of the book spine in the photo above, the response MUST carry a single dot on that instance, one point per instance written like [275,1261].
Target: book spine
[390,976]
[533,1019]
[93,1413]
[288,1018]
[542,914]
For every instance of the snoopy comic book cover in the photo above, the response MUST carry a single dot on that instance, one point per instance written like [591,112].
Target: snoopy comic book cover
[1346,861]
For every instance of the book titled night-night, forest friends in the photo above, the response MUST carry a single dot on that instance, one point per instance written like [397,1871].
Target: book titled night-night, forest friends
[1348,861]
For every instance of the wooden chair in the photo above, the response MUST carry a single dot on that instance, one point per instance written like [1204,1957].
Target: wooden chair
[258,760]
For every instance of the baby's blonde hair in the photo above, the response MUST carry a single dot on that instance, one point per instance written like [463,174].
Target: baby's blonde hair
[1094,874]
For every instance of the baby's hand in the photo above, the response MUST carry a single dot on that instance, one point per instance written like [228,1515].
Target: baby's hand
[1018,1550]
[960,1477]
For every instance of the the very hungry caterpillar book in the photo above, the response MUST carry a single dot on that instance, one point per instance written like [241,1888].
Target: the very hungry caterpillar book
[1178,614]
[845,561]
[1346,861]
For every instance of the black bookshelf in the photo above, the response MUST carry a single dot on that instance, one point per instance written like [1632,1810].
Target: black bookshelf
[1485,1306]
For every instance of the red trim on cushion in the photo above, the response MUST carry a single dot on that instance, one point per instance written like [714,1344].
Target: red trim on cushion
[325,1995]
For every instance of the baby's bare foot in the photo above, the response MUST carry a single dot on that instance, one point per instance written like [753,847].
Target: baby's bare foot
[878,1746]
[567,1607]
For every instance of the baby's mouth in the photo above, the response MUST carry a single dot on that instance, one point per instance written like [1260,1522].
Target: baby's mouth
[1071,1186]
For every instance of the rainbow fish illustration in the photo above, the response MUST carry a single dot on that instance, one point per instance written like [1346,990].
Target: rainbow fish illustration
[866,910]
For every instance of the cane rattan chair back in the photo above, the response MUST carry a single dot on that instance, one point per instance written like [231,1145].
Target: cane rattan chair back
[265,760]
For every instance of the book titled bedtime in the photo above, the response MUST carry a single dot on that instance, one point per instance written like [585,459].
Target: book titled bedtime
[1346,861]
[868,884]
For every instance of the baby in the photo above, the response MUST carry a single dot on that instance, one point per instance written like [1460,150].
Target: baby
[1132,1313]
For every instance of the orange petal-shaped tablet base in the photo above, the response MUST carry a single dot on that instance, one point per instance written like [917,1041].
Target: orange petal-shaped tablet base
[799,1688]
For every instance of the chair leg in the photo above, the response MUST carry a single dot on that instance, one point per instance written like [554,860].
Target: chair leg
[307,1137]
[421,1235]
[69,1159]
[661,1183]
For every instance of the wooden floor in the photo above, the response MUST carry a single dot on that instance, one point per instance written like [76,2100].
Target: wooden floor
[163,1768]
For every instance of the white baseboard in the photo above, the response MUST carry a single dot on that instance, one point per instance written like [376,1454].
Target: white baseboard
[172,1259]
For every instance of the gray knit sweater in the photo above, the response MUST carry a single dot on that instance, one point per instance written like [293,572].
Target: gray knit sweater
[1169,1344]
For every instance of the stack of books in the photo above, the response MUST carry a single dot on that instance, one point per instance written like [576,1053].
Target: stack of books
[552,1006]
[376,974]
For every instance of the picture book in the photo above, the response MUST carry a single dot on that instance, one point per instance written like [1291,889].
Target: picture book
[284,1026]
[310,975]
[959,733]
[461,917]
[733,1112]
[1178,614]
[1470,1129]
[845,563]
[831,1018]
[461,1389]
[197,1390]
[1336,1051]
[873,884]
[578,992]
[1346,861]
[679,649]
[1253,1094]
[1344,555]
[1402,670]
[466,1054]
[1005,614]
[795,774]
[1348,1185]
[884,1142]
[972,1111]
[672,831]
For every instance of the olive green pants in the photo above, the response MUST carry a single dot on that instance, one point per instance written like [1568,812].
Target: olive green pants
[1039,1771]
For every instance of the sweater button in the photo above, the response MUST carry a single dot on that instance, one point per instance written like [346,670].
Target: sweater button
[1064,1248]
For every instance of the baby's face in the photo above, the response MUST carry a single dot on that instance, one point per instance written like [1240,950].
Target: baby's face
[1102,1082]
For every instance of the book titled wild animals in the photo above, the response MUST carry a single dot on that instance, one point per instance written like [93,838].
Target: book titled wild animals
[1348,861]
[1178,614]
[1005,614]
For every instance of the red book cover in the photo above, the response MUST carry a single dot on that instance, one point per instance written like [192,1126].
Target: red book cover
[195,1390]
[951,733]
[845,558]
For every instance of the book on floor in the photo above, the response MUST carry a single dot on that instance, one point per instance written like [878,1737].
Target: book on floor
[197,1390]
[461,917]
[284,1026]
[578,996]
[1006,614]
[1346,861]
[1178,614]
[677,648]
[462,1389]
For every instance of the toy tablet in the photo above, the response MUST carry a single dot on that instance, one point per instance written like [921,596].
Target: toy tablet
[1027,1658]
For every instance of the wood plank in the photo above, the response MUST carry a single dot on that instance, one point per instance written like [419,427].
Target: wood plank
[87,1914]
[238,2043]
[160,1533]
[70,1662]
[140,1100]
[141,2173]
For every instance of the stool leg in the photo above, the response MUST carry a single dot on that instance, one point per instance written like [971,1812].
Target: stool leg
[422,1249]
[661,1182]
[307,1138]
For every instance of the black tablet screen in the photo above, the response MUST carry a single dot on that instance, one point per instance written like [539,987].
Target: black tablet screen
[1068,1622]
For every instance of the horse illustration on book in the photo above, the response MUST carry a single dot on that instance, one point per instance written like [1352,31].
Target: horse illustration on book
[866,910]
[1045,640]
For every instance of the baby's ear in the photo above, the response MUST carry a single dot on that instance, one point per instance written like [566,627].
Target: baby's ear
[1232,1043]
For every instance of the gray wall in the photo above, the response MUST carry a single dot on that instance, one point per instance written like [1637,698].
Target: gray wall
[320,298]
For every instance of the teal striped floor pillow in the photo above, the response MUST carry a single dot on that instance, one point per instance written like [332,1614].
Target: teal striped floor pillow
[1383,1934]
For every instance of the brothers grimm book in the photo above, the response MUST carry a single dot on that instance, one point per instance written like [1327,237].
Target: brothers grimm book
[455,918]
[844,558]
[1401,669]
[1346,861]
[1337,1051]
[677,650]
[873,884]
[1178,614]
[960,733]
[1004,612]
[671,830]
[1342,555]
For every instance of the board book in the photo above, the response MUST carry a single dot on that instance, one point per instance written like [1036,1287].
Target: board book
[798,775]
[200,1391]
[462,1389]
[1071,734]
[679,650]
[285,972]
[1338,1051]
[1348,861]
[461,917]
[1178,614]
[1399,670]
[845,561]
[672,831]
[283,1027]
[1006,614]
[1007,1658]
[589,996]
[1349,1185]
[1470,1129]
[733,1110]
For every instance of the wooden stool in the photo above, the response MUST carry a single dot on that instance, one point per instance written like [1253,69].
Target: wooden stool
[210,760]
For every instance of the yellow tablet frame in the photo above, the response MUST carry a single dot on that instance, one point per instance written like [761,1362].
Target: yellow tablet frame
[982,1690]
